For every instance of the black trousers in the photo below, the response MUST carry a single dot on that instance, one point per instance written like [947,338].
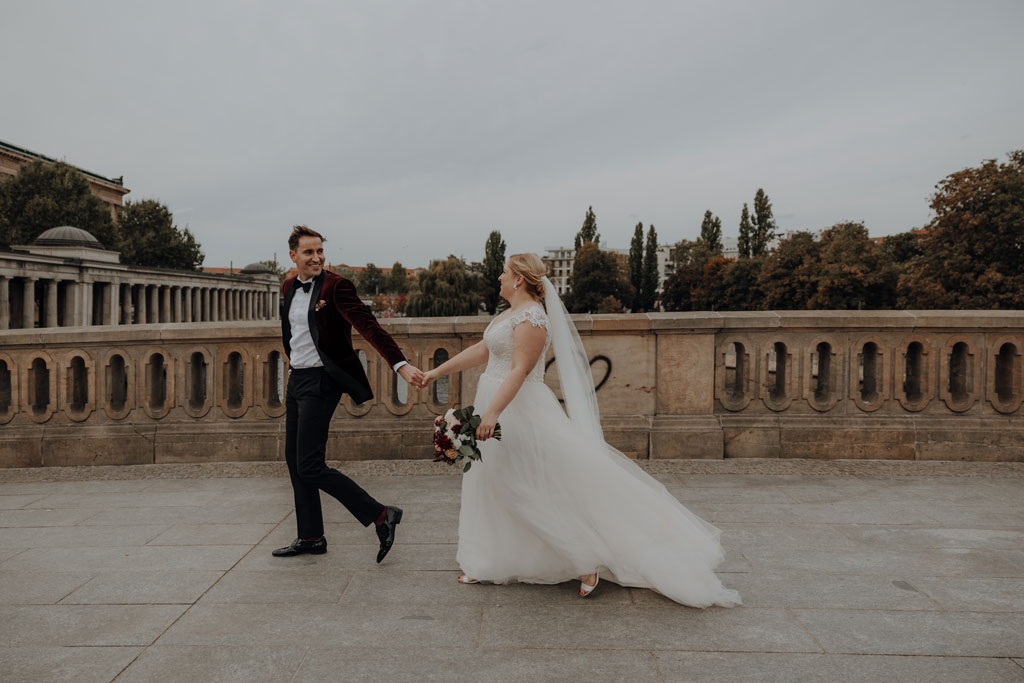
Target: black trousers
[312,398]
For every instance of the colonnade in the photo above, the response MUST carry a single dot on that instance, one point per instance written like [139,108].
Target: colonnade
[28,301]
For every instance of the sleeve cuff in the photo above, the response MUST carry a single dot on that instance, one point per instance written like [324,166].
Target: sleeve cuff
[399,364]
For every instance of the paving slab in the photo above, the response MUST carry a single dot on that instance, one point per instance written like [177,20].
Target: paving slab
[900,537]
[212,534]
[323,626]
[964,634]
[975,595]
[13,502]
[188,664]
[661,628]
[144,587]
[448,665]
[912,562]
[267,588]
[120,558]
[243,513]
[708,667]
[72,664]
[85,625]
[38,588]
[36,517]
[78,536]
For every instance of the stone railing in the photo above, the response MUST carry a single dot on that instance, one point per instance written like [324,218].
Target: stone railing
[905,385]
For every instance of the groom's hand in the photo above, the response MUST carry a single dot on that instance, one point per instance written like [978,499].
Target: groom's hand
[412,375]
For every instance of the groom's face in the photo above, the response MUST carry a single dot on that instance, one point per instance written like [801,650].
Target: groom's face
[308,257]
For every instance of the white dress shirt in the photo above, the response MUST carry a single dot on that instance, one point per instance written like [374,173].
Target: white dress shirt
[304,353]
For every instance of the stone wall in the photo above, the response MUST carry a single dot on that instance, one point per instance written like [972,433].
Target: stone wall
[897,385]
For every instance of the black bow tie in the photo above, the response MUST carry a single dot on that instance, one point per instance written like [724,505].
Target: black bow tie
[305,285]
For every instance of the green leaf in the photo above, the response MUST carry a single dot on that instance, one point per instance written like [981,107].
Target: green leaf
[466,468]
[475,421]
[466,450]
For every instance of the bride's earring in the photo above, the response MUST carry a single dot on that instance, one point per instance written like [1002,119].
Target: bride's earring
[515,286]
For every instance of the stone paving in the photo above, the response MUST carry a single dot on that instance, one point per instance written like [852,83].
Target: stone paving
[849,571]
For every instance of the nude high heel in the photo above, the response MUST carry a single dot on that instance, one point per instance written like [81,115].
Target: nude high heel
[462,578]
[586,590]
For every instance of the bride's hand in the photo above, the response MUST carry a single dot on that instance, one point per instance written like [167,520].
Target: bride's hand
[486,428]
[428,377]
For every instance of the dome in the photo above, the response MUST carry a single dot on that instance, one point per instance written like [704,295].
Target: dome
[67,236]
[256,268]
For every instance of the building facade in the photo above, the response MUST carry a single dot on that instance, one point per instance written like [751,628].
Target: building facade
[67,279]
[559,261]
[110,190]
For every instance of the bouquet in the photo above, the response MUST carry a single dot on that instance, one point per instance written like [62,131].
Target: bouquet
[455,437]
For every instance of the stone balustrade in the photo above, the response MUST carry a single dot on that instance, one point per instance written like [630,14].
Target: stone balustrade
[820,384]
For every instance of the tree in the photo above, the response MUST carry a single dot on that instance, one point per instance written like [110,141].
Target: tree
[973,248]
[493,265]
[711,232]
[636,265]
[904,246]
[588,232]
[746,237]
[649,283]
[371,280]
[275,267]
[150,238]
[790,273]
[689,258]
[764,224]
[445,288]
[596,275]
[397,282]
[853,272]
[46,195]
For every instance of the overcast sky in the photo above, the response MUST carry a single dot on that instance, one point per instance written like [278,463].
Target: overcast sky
[409,130]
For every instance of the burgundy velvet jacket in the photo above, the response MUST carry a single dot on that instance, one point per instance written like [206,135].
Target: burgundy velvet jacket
[331,328]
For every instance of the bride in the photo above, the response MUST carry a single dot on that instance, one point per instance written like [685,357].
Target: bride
[551,501]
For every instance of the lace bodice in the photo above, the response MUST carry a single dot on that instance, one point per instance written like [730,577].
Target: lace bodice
[500,342]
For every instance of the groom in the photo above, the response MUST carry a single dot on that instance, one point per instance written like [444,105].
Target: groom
[318,311]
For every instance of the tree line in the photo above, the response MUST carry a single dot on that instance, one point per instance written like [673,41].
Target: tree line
[44,195]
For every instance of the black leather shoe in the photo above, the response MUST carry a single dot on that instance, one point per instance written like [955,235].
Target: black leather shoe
[386,531]
[298,547]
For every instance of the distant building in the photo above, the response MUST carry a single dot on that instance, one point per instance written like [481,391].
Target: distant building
[109,190]
[559,261]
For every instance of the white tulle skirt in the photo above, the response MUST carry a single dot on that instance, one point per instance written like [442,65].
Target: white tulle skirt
[549,504]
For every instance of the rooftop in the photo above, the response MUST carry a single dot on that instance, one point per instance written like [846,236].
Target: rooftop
[27,153]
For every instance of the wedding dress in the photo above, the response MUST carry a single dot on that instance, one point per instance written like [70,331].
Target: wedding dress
[551,501]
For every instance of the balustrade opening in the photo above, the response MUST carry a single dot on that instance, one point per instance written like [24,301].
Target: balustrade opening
[777,371]
[156,374]
[399,390]
[78,384]
[1006,361]
[441,385]
[117,383]
[821,365]
[868,371]
[196,381]
[913,372]
[6,396]
[735,370]
[958,388]
[236,380]
[274,380]
[363,360]
[39,386]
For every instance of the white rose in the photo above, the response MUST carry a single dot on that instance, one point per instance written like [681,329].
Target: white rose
[456,443]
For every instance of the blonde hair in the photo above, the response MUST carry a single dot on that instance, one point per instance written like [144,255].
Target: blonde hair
[531,269]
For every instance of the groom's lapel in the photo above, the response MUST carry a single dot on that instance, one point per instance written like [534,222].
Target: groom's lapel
[314,296]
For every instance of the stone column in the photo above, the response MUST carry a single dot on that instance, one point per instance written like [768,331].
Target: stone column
[111,304]
[250,308]
[28,307]
[51,303]
[5,303]
[154,304]
[177,303]
[87,303]
[142,314]
[229,297]
[165,304]
[186,296]
[215,307]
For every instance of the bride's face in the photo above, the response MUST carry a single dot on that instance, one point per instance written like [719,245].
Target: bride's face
[506,280]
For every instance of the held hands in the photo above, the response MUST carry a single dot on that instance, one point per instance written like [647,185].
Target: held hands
[412,375]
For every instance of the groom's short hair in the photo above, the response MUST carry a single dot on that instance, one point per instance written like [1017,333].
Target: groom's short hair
[300,231]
